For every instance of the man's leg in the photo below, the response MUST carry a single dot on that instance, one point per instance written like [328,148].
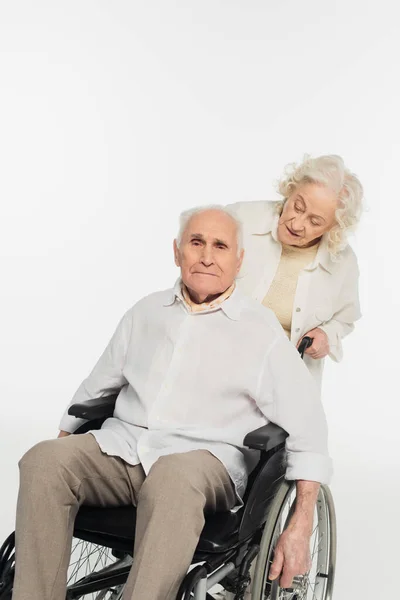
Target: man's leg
[170,518]
[56,477]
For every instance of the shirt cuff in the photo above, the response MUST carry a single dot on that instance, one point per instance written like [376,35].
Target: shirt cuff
[334,340]
[309,466]
[70,424]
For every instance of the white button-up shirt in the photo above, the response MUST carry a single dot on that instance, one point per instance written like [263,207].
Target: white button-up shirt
[327,290]
[203,381]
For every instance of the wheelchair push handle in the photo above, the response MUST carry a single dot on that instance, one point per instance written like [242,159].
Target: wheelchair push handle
[306,342]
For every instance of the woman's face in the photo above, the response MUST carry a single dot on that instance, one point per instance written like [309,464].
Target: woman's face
[308,213]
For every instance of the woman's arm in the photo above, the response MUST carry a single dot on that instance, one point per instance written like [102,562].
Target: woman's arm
[342,322]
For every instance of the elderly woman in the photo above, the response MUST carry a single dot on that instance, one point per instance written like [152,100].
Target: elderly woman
[298,262]
[297,258]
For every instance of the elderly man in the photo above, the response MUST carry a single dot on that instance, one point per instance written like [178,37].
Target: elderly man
[198,366]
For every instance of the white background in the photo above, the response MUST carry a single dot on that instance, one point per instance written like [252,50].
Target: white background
[115,116]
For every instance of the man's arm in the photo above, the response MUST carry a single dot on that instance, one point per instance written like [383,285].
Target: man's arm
[107,375]
[288,396]
[292,552]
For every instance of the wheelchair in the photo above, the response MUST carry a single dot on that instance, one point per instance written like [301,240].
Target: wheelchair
[230,543]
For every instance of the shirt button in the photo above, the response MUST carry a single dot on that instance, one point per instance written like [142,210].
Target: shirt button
[298,309]
[297,329]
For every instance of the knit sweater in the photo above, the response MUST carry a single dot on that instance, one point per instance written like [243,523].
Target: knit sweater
[281,294]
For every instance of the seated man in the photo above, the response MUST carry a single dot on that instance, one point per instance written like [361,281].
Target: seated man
[199,366]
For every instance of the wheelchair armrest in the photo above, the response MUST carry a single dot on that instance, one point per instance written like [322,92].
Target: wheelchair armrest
[98,408]
[266,437]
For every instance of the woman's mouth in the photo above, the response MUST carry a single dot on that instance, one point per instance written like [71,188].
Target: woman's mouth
[292,232]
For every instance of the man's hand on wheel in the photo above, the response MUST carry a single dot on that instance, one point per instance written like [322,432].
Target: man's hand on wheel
[292,556]
[320,345]
[292,553]
[63,434]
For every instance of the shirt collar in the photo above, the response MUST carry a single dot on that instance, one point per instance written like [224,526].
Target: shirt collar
[174,293]
[267,225]
[196,308]
[270,226]
[231,306]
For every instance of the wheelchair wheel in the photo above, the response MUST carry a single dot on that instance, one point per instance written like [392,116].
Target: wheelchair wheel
[7,567]
[96,572]
[317,584]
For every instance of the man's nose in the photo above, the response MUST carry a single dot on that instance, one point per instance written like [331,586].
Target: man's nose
[207,257]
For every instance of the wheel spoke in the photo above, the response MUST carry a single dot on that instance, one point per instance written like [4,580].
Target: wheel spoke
[88,558]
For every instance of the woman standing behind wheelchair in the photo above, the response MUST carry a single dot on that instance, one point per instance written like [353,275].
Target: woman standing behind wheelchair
[297,258]
[298,262]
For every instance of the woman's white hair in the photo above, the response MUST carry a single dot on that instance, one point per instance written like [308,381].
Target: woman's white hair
[185,217]
[330,171]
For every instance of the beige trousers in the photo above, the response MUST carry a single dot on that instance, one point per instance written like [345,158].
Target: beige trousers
[58,476]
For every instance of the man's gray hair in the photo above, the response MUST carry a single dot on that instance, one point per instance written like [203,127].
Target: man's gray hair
[185,217]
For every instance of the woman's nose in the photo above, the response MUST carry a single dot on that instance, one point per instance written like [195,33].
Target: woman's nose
[298,223]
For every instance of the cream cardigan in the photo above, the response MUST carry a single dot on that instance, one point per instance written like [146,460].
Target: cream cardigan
[326,293]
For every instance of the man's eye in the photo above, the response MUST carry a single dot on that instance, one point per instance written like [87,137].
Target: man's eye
[221,246]
[195,242]
[297,208]
[315,223]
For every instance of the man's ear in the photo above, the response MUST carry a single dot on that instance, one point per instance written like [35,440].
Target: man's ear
[240,261]
[176,254]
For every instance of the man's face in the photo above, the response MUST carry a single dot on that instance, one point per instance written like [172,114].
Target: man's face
[208,254]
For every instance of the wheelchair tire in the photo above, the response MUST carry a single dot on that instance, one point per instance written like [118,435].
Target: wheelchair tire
[95,573]
[7,567]
[93,569]
[317,584]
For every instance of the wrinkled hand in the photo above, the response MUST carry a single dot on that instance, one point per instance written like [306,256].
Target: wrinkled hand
[291,557]
[320,345]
